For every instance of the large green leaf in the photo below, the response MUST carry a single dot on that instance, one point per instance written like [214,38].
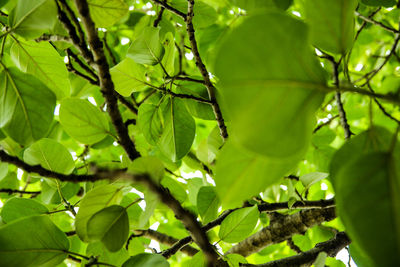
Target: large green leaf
[205,14]
[32,18]
[110,226]
[43,61]
[207,203]
[239,224]
[385,3]
[51,155]
[179,129]
[147,48]
[331,23]
[83,121]
[26,106]
[128,77]
[149,121]
[373,140]
[146,260]
[271,105]
[240,175]
[32,241]
[368,201]
[94,201]
[16,208]
[105,13]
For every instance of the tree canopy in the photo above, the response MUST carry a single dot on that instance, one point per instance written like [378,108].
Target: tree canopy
[199,132]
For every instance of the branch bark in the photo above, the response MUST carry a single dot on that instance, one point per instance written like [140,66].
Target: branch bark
[166,239]
[106,84]
[203,70]
[282,229]
[331,247]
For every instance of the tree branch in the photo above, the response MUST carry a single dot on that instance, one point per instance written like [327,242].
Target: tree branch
[203,70]
[186,217]
[15,191]
[166,239]
[331,247]
[54,38]
[265,207]
[106,84]
[77,41]
[170,8]
[380,24]
[4,157]
[282,229]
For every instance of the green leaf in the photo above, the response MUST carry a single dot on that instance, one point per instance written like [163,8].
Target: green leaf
[149,121]
[83,121]
[205,14]
[331,24]
[239,224]
[175,188]
[320,260]
[283,4]
[10,181]
[197,109]
[51,155]
[179,129]
[373,140]
[26,106]
[385,3]
[94,201]
[3,169]
[270,105]
[207,203]
[44,62]
[311,178]
[98,250]
[168,60]
[146,48]
[368,201]
[240,175]
[16,208]
[110,226]
[148,165]
[235,259]
[128,77]
[32,241]
[32,18]
[146,260]
[105,13]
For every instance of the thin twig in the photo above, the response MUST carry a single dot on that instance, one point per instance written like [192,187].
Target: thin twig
[165,239]
[54,38]
[380,24]
[170,8]
[82,47]
[203,70]
[16,191]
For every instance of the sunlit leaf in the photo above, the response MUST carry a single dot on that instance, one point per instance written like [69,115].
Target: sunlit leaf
[32,241]
[51,155]
[94,201]
[270,105]
[239,224]
[26,106]
[110,226]
[16,208]
[83,121]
